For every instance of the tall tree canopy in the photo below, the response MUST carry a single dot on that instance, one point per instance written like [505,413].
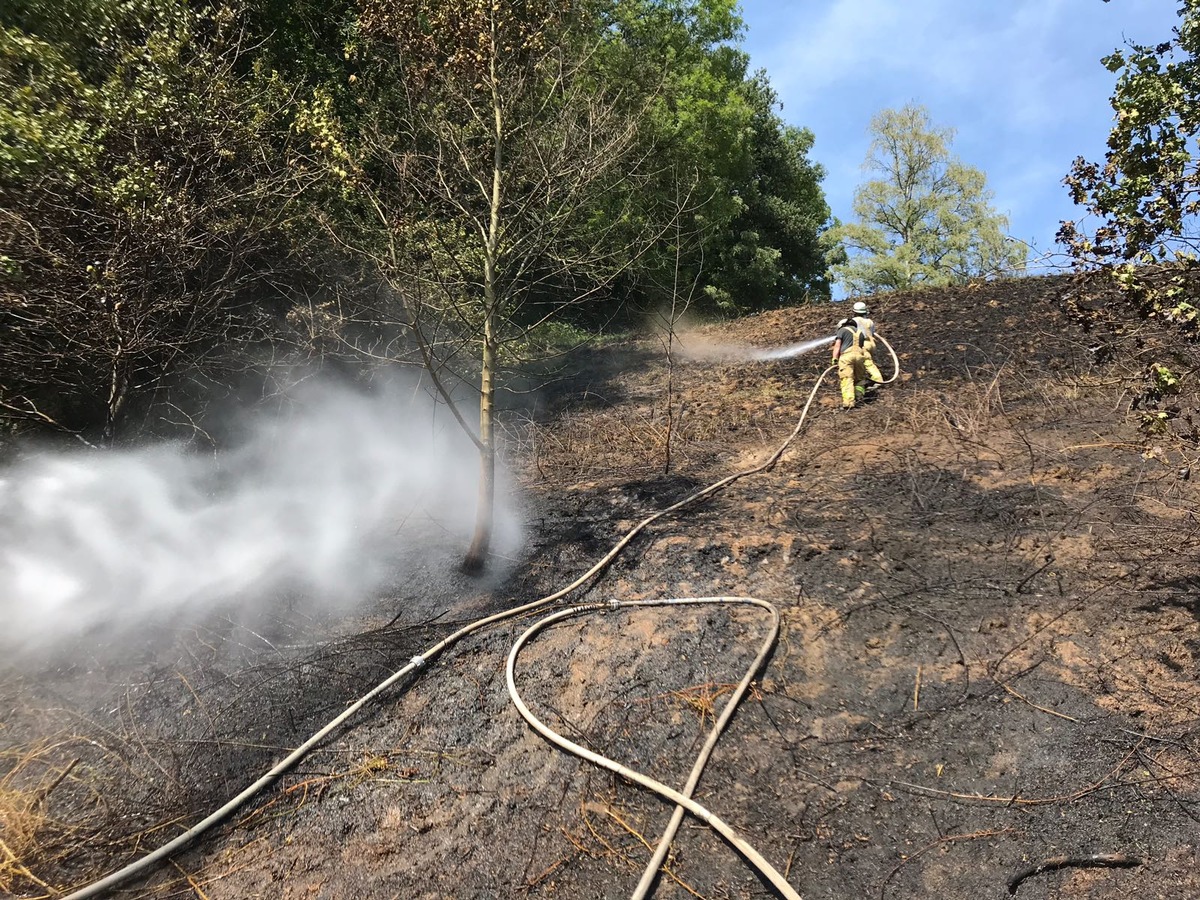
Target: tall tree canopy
[771,251]
[189,188]
[758,210]
[507,164]
[926,218]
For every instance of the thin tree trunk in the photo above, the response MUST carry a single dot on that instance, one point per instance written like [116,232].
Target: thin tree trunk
[485,509]
[117,382]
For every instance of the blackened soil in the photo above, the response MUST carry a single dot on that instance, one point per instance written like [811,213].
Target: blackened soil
[988,583]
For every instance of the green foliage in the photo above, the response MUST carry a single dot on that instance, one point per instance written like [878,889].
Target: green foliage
[174,172]
[556,337]
[1158,400]
[41,127]
[146,189]
[729,189]
[1163,380]
[1164,292]
[1146,197]
[308,42]
[927,218]
[1146,193]
[1146,190]
[772,253]
[749,198]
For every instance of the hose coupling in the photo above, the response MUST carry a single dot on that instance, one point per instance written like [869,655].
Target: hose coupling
[613,604]
[417,662]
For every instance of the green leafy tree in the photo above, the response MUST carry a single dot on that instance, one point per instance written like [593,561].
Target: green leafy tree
[1146,193]
[771,253]
[1145,196]
[757,209]
[926,218]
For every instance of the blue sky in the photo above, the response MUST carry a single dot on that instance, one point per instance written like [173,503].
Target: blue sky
[1019,80]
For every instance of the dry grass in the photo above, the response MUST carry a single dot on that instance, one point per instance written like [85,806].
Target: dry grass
[968,411]
[28,833]
[632,441]
[60,799]
[592,444]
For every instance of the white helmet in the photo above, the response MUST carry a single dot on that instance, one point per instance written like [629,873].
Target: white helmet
[860,309]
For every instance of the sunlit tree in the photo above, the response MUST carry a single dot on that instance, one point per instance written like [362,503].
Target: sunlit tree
[145,207]
[1146,193]
[925,218]
[760,209]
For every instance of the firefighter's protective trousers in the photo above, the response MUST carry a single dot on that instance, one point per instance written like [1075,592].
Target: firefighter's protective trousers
[869,366]
[852,371]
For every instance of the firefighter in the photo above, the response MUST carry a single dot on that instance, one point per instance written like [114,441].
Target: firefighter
[848,354]
[866,325]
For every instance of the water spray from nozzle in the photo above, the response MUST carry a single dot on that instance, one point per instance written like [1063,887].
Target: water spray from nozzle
[706,352]
[349,491]
[791,351]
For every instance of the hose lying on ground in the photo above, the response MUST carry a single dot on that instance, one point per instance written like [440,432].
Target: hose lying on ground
[682,799]
[417,662]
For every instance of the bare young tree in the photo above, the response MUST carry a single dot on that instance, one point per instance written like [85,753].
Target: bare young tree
[500,168]
[675,310]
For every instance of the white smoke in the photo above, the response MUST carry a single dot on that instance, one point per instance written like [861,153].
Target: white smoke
[323,501]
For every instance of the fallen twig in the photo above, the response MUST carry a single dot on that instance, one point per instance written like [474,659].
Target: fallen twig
[20,869]
[1017,800]
[1020,588]
[1044,709]
[43,794]
[192,882]
[612,814]
[1095,861]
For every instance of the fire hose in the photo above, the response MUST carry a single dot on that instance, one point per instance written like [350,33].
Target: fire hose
[682,800]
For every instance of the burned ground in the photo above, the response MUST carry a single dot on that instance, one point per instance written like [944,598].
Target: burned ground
[988,584]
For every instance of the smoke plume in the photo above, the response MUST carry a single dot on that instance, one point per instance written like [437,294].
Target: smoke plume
[323,501]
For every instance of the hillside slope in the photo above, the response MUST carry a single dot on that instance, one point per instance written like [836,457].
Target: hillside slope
[990,600]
